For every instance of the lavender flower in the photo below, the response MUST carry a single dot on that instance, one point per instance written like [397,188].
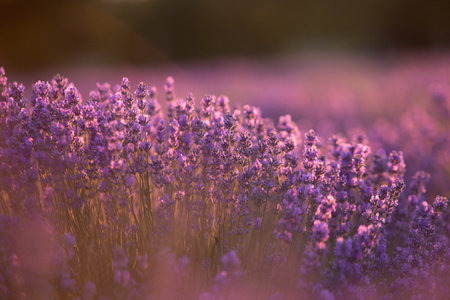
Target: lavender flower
[206,202]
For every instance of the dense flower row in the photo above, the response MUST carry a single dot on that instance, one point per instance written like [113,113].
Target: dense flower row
[107,197]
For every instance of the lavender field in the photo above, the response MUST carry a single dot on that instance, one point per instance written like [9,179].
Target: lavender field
[314,178]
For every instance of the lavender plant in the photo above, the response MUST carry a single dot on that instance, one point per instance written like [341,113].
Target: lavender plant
[109,198]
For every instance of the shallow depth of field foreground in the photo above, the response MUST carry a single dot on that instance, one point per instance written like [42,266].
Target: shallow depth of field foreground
[114,195]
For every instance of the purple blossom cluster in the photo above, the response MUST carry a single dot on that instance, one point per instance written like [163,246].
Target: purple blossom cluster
[109,198]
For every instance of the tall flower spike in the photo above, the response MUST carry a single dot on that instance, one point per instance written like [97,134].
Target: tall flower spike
[3,84]
[41,89]
[396,164]
[16,92]
[125,86]
[169,88]
[72,96]
[142,95]
[59,84]
[310,152]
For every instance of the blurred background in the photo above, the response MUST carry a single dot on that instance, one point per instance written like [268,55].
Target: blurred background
[38,34]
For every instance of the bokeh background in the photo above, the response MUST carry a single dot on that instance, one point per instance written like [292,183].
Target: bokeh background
[38,34]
